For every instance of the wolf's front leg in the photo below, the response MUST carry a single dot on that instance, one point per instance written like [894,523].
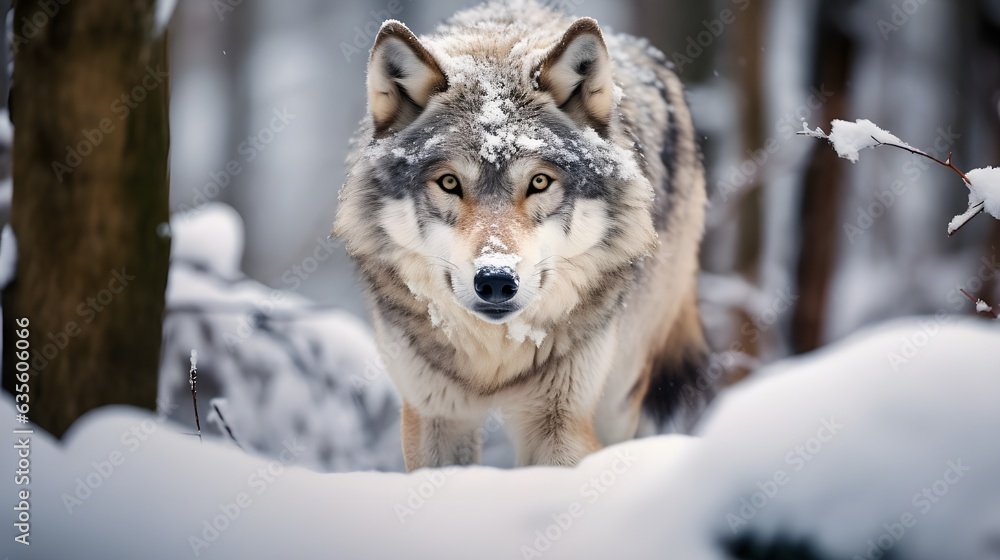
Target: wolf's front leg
[553,422]
[552,434]
[436,441]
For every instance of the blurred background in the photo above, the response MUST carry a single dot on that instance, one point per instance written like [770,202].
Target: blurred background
[927,70]
[802,248]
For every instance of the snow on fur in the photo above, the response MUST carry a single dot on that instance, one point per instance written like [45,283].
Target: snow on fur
[500,134]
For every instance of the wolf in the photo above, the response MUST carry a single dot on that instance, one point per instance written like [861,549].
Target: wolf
[525,201]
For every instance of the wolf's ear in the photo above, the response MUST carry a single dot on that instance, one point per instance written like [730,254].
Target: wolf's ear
[402,76]
[577,73]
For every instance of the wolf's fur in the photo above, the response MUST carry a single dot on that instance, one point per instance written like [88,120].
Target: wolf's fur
[606,256]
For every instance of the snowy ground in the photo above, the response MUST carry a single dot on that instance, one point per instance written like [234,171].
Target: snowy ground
[882,446]
[886,440]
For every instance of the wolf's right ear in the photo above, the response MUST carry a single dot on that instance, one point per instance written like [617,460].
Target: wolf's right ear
[402,76]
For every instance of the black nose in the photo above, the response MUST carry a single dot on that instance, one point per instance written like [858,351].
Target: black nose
[495,285]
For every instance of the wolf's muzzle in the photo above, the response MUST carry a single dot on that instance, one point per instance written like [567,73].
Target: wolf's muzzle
[495,285]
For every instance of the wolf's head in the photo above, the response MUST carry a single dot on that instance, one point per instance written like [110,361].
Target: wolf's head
[494,167]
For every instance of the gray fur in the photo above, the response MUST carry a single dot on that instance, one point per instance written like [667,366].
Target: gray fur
[647,145]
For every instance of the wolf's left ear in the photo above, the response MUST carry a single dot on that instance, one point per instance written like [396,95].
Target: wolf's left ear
[577,73]
[402,76]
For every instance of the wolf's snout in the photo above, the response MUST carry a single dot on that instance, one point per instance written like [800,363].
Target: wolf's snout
[495,285]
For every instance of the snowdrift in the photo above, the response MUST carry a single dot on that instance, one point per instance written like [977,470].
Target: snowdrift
[884,445]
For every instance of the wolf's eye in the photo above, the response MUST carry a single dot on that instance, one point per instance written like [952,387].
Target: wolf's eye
[539,183]
[449,184]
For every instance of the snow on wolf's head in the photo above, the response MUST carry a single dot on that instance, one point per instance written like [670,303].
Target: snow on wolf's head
[491,165]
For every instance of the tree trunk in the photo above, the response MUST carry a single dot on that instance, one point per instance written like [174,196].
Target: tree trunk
[89,106]
[819,213]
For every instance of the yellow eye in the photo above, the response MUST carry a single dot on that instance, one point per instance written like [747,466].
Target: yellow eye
[449,183]
[539,183]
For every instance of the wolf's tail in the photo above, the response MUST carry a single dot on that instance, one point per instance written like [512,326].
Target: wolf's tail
[680,387]
[682,380]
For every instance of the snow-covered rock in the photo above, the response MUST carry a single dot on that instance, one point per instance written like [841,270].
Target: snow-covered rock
[210,236]
[282,366]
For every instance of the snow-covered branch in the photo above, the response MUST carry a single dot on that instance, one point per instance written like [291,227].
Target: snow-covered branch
[982,307]
[849,138]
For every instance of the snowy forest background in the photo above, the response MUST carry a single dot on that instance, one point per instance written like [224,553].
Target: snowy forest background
[819,276]
[930,77]
[802,249]
[787,269]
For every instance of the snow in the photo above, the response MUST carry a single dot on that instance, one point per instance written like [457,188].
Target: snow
[211,236]
[835,450]
[8,255]
[6,128]
[164,10]
[983,307]
[496,243]
[494,254]
[984,188]
[495,259]
[963,218]
[528,143]
[285,367]
[849,138]
[519,330]
[193,372]
[501,126]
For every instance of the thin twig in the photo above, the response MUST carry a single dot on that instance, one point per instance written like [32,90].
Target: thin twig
[948,163]
[226,425]
[193,380]
[976,301]
[967,217]
[959,221]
